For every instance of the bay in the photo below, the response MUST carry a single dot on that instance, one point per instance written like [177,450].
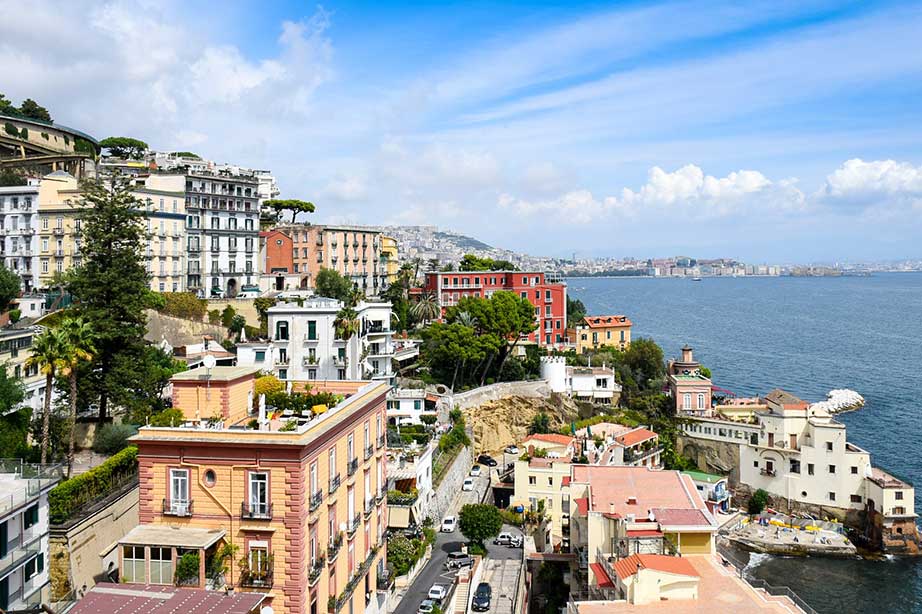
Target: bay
[807,336]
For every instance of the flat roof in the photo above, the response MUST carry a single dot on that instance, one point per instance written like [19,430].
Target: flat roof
[110,598]
[700,476]
[217,374]
[166,535]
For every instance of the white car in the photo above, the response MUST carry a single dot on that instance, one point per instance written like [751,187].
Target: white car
[426,607]
[511,450]
[449,524]
[475,471]
[437,592]
[468,484]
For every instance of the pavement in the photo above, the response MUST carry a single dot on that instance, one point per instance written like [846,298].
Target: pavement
[434,571]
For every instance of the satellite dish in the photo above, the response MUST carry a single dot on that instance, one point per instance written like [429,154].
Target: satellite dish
[209,361]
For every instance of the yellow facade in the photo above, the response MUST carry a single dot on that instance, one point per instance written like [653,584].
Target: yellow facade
[604,331]
[58,226]
[389,250]
[543,480]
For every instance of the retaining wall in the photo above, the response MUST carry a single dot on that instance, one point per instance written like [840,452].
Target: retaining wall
[451,484]
[493,392]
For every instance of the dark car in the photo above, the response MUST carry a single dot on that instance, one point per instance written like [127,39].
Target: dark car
[482,596]
[486,459]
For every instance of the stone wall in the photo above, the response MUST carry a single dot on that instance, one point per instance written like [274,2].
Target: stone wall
[179,331]
[502,390]
[710,456]
[451,484]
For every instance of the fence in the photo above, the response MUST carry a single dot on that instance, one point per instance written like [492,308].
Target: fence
[777,591]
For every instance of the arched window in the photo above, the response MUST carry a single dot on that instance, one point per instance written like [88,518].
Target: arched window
[281,331]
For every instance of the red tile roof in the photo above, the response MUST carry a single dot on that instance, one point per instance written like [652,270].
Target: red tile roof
[563,440]
[108,598]
[636,436]
[601,576]
[627,567]
[566,480]
[582,505]
[606,321]
[683,518]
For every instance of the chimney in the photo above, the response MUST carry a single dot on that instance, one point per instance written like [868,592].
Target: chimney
[687,354]
[632,500]
[611,507]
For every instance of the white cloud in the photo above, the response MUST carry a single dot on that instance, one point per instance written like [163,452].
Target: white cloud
[344,188]
[877,183]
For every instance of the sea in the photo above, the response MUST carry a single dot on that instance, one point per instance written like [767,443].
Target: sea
[807,336]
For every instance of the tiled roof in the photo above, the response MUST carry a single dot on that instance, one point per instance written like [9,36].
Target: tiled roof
[784,398]
[108,598]
[582,504]
[681,517]
[627,567]
[563,440]
[606,321]
[634,437]
[601,576]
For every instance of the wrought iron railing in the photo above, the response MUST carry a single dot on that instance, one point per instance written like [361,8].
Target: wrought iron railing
[334,483]
[177,508]
[316,499]
[250,510]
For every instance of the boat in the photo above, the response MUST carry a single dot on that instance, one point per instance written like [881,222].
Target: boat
[696,279]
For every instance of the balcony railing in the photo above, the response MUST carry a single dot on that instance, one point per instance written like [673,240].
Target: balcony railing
[334,483]
[255,511]
[381,441]
[369,506]
[316,570]
[401,498]
[769,472]
[353,466]
[718,496]
[369,451]
[177,508]
[17,556]
[354,525]
[340,361]
[309,361]
[260,577]
[334,547]
[634,455]
[316,499]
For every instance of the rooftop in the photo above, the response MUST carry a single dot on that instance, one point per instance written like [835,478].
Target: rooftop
[603,429]
[785,399]
[557,438]
[628,566]
[635,436]
[700,476]
[886,480]
[108,598]
[216,374]
[169,535]
[20,482]
[606,321]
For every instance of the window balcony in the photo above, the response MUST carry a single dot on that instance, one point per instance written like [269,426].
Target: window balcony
[316,500]
[310,339]
[353,466]
[334,483]
[381,441]
[58,231]
[334,547]
[316,570]
[769,472]
[369,507]
[340,361]
[309,361]
[369,452]
[255,511]
[259,577]
[282,361]
[182,509]
[354,524]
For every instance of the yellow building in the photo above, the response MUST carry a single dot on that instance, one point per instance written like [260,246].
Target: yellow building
[540,483]
[58,226]
[300,500]
[390,255]
[15,350]
[603,331]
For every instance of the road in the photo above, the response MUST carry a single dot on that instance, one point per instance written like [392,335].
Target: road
[434,572]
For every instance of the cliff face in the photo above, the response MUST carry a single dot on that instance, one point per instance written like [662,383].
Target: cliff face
[497,423]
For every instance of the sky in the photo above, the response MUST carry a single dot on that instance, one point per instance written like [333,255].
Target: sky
[767,131]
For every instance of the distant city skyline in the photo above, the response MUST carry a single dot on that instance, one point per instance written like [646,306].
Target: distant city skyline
[775,132]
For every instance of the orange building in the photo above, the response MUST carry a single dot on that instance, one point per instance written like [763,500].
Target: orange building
[297,503]
[279,257]
[599,331]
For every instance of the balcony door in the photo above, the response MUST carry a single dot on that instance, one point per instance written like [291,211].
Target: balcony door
[179,490]
[259,493]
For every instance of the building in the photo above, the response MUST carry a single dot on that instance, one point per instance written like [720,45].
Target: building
[603,331]
[615,444]
[540,484]
[353,251]
[19,223]
[301,497]
[714,490]
[222,228]
[15,350]
[59,228]
[551,445]
[390,254]
[305,344]
[408,406]
[410,493]
[165,253]
[590,384]
[548,296]
[24,576]
[689,387]
[109,598]
[650,578]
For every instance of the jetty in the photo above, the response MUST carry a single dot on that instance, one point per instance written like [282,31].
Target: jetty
[839,401]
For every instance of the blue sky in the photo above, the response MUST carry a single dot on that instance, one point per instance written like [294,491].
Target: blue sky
[768,131]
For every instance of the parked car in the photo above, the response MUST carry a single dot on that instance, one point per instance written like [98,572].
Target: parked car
[516,541]
[511,450]
[503,539]
[486,459]
[449,524]
[457,560]
[482,598]
[475,471]
[217,293]
[437,592]
[426,607]
[468,484]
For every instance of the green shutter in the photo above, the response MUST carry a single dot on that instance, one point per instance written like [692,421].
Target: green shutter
[40,566]
[3,540]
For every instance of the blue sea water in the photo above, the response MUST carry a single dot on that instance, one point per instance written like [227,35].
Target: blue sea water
[808,336]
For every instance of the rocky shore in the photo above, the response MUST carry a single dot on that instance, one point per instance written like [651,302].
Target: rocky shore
[839,401]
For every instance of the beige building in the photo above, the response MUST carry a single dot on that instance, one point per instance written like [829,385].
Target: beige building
[15,350]
[540,484]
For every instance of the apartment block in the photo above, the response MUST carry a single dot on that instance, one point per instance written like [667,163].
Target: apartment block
[24,576]
[15,350]
[302,498]
[548,296]
[18,227]
[304,343]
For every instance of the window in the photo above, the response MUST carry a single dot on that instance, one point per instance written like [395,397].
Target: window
[314,481]
[332,466]
[898,495]
[795,466]
[179,490]
[832,496]
[281,331]
[686,400]
[855,498]
[259,493]
[532,480]
[312,330]
[312,374]
[832,468]
[260,355]
[283,373]
[899,511]
[809,468]
[854,470]
[210,478]
[350,448]
[133,565]
[161,565]
[259,558]
[550,481]
[829,446]
[34,567]
[341,374]
[30,517]
[700,400]
[755,464]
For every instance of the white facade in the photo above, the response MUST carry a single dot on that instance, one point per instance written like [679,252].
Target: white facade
[595,384]
[407,405]
[24,527]
[304,346]
[19,223]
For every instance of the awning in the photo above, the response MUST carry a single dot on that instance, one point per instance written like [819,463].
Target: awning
[177,537]
[645,533]
[601,576]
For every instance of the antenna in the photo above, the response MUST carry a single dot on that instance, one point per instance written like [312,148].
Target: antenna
[209,363]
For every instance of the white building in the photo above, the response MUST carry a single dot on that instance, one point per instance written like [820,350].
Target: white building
[304,344]
[593,384]
[407,406]
[24,576]
[19,223]
[409,471]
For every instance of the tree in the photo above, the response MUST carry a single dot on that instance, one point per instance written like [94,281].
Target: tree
[184,305]
[9,287]
[293,205]
[48,356]
[576,311]
[645,359]
[171,416]
[14,425]
[237,324]
[77,338]
[479,522]
[346,323]
[110,288]
[540,424]
[154,370]
[471,262]
[31,109]
[124,147]
[227,316]
[9,177]
[426,308]
[331,284]
[757,502]
[451,349]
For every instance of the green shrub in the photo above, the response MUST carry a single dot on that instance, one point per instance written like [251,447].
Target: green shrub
[113,437]
[227,316]
[15,314]
[428,419]
[45,135]
[68,496]
[168,417]
[187,568]
[757,502]
[24,133]
[10,129]
[214,316]
[66,140]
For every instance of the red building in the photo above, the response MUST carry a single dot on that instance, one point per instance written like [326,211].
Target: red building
[548,297]
[279,252]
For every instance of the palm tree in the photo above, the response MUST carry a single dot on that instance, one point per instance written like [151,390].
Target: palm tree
[47,355]
[346,323]
[78,347]
[464,318]
[426,307]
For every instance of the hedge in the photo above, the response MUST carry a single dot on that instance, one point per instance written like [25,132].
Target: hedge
[70,495]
